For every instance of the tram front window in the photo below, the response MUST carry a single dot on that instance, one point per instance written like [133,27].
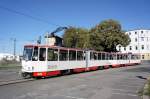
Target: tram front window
[27,53]
[35,54]
[42,56]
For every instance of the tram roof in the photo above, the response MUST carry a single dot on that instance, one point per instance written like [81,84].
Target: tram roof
[55,47]
[78,49]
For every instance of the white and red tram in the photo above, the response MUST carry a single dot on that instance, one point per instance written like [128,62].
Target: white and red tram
[44,60]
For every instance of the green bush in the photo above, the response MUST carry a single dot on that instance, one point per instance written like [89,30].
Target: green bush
[147,89]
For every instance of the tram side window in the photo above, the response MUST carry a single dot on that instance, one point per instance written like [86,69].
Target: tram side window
[107,56]
[63,55]
[111,56]
[93,56]
[99,56]
[103,56]
[121,56]
[35,54]
[72,55]
[118,56]
[124,57]
[80,55]
[128,57]
[52,54]
[133,57]
[42,56]
[114,57]
[139,56]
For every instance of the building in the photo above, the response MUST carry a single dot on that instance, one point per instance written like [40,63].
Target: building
[53,40]
[140,43]
[8,56]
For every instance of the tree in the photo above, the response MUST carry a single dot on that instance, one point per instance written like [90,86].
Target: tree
[76,38]
[103,37]
[107,35]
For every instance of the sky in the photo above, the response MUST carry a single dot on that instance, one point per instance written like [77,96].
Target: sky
[26,20]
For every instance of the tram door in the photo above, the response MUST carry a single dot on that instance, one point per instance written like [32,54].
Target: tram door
[42,63]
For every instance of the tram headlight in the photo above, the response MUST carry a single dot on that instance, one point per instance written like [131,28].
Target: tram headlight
[32,68]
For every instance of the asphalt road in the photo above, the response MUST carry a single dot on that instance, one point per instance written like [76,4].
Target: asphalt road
[9,74]
[118,83]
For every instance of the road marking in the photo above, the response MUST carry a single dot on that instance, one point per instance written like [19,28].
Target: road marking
[137,84]
[126,94]
[121,90]
[71,97]
[128,86]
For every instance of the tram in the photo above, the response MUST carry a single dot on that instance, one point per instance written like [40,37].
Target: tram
[44,60]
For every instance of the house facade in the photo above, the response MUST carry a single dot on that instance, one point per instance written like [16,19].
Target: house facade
[140,43]
[8,56]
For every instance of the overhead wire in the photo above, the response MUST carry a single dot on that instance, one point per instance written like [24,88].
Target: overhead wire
[27,15]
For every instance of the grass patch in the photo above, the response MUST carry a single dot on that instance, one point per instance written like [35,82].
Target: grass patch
[147,88]
[140,93]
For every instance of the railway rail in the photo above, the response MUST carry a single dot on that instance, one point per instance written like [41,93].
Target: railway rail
[2,83]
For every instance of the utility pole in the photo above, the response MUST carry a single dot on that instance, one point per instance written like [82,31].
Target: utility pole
[14,46]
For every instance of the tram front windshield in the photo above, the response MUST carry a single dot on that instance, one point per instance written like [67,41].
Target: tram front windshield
[27,53]
[30,53]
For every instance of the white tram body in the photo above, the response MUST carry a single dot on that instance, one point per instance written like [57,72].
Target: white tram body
[44,60]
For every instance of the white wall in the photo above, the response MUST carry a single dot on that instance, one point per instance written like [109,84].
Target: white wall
[143,38]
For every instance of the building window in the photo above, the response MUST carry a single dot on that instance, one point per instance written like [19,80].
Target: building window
[129,33]
[135,39]
[135,32]
[130,48]
[142,38]
[141,32]
[142,56]
[147,47]
[124,48]
[136,48]
[142,47]
[119,48]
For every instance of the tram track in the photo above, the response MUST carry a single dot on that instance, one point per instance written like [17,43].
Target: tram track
[2,83]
